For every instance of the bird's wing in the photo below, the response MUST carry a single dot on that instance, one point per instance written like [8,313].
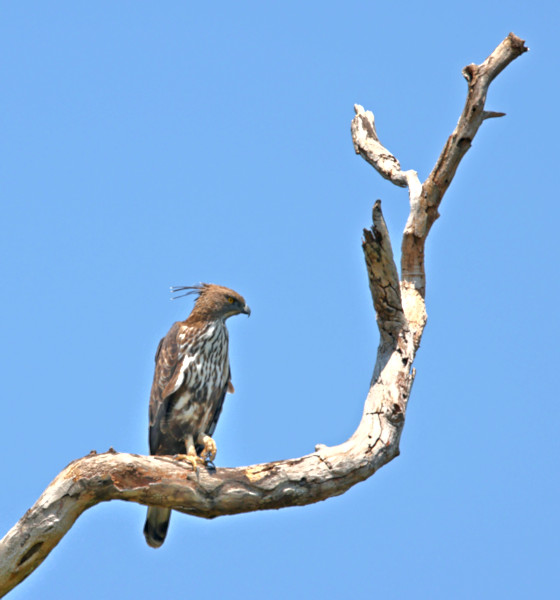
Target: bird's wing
[168,377]
[228,387]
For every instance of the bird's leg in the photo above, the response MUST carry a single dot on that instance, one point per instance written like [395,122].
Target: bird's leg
[209,446]
[191,455]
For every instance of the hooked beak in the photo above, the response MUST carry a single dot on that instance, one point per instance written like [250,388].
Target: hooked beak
[247,310]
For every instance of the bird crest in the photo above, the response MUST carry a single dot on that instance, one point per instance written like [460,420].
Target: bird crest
[190,290]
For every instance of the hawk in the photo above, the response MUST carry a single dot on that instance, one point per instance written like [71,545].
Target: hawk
[191,378]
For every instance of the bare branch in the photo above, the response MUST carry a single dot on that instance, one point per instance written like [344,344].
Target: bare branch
[383,276]
[368,146]
[329,471]
[426,198]
[162,481]
[490,114]
[423,216]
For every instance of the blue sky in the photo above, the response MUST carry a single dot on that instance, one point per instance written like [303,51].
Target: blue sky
[153,144]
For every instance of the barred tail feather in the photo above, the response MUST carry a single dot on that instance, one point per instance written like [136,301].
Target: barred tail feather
[157,522]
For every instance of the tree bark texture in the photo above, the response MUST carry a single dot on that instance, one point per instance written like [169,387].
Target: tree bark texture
[329,471]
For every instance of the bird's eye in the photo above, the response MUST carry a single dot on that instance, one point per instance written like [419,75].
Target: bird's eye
[230,300]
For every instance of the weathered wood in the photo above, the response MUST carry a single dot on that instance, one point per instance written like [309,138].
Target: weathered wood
[424,211]
[329,471]
[425,198]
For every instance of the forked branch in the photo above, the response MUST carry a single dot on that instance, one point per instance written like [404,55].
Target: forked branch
[426,198]
[329,471]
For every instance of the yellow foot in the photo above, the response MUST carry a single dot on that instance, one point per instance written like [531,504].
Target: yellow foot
[209,447]
[195,461]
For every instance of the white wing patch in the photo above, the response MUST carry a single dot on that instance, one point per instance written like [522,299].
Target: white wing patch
[184,398]
[186,362]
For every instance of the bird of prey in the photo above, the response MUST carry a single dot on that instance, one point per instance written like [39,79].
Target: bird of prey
[191,378]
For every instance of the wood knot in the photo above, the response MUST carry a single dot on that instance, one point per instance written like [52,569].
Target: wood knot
[470,71]
[395,414]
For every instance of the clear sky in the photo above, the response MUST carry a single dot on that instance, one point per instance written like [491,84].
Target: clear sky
[150,144]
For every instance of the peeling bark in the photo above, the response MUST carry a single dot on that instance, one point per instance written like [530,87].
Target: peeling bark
[329,471]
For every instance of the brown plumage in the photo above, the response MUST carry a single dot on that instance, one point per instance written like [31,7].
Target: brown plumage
[191,378]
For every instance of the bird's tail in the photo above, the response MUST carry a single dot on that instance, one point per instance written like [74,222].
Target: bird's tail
[157,522]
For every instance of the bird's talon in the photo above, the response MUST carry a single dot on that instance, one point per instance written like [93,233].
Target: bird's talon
[195,461]
[209,448]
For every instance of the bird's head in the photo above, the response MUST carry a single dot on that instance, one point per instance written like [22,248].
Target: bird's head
[214,301]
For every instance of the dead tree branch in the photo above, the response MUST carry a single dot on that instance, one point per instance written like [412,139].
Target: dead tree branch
[426,198]
[329,471]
